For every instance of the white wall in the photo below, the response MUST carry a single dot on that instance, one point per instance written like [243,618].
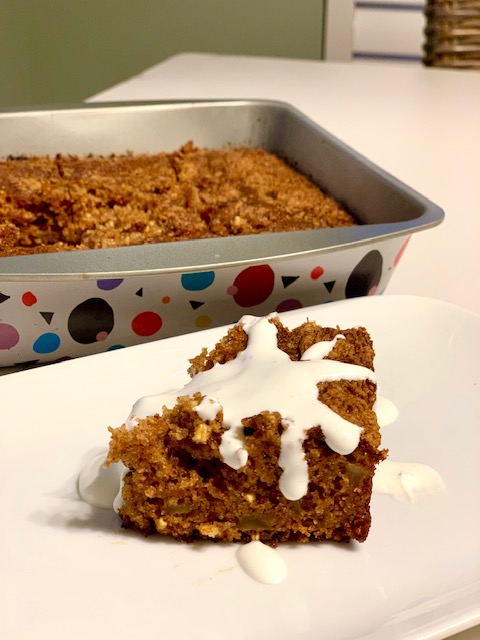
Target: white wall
[388,30]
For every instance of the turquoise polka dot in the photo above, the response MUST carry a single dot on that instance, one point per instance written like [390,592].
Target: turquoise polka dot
[198,281]
[46,343]
[114,347]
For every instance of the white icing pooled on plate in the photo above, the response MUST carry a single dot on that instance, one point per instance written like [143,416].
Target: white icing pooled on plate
[262,563]
[407,481]
[97,485]
[264,378]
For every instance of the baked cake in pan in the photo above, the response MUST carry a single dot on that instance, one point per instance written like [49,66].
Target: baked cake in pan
[70,203]
[274,438]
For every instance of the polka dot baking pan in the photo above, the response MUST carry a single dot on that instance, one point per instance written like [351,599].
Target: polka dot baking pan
[55,306]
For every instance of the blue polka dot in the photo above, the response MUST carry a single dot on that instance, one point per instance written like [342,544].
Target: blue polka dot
[197,281]
[114,347]
[108,285]
[46,343]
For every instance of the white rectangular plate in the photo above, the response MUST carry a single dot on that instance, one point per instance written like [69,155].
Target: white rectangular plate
[69,571]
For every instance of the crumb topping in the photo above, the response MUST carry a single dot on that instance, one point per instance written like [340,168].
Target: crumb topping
[72,203]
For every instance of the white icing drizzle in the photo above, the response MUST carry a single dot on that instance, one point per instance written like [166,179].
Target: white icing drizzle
[264,378]
[118,501]
[386,410]
[262,563]
[131,423]
[97,485]
[208,408]
[407,481]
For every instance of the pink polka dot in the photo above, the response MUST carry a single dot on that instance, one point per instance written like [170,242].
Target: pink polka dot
[316,273]
[232,291]
[101,336]
[9,336]
[400,253]
[372,291]
[29,299]
[146,323]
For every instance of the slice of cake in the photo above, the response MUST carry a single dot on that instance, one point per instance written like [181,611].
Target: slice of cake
[274,438]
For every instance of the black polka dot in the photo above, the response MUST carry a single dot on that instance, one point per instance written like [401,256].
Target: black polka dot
[365,276]
[90,318]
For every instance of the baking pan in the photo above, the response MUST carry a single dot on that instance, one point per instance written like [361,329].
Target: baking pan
[55,306]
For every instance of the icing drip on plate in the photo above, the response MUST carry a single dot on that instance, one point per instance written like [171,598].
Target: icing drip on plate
[97,485]
[407,481]
[264,378]
[262,563]
[386,411]
[404,481]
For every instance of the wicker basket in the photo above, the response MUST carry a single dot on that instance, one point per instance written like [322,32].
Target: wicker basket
[452,34]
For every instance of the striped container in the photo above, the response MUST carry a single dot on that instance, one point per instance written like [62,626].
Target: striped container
[452,34]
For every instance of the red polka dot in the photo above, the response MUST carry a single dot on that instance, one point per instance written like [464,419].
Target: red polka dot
[316,273]
[146,323]
[254,285]
[166,299]
[400,253]
[29,299]
[289,305]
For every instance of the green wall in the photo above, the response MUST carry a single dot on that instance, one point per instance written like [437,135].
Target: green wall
[54,51]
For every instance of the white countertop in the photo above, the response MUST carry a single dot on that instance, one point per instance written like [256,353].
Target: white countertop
[420,124]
